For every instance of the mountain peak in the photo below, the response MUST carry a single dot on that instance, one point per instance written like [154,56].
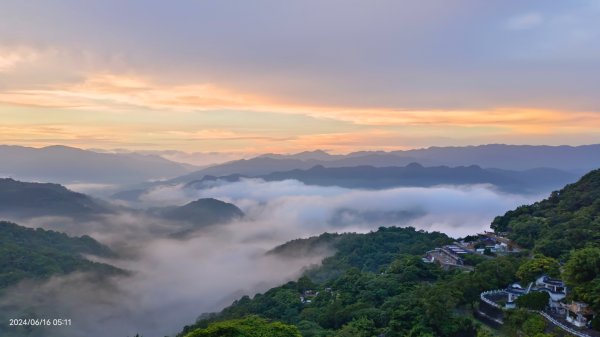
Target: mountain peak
[203,212]
[414,165]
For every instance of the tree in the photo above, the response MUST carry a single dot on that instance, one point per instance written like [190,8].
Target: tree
[304,283]
[361,327]
[538,266]
[534,300]
[311,329]
[251,326]
[534,325]
[582,273]
[583,266]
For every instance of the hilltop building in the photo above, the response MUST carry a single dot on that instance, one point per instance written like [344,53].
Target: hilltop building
[448,257]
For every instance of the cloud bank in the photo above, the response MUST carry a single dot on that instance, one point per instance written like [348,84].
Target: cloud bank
[174,281]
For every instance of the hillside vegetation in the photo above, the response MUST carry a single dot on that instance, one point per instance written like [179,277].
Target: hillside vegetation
[377,284]
[568,219]
[26,199]
[27,253]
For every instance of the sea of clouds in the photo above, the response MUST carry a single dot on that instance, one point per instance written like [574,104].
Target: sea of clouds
[173,281]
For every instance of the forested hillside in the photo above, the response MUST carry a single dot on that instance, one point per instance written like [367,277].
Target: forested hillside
[376,284]
[568,219]
[27,199]
[27,253]
[201,212]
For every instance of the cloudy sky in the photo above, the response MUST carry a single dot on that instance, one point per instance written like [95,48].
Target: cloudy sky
[286,76]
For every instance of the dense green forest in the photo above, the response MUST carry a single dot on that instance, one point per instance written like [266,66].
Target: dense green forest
[376,284]
[37,253]
[568,219]
[251,326]
[372,252]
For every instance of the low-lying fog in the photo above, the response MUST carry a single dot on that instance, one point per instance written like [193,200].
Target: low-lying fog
[174,281]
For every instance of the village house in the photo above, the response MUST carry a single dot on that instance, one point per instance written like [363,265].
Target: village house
[307,296]
[578,313]
[448,257]
[555,288]
[492,242]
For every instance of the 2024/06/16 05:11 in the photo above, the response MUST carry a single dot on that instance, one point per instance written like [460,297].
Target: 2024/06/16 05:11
[39,321]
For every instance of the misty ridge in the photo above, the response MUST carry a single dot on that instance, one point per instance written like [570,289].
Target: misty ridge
[93,169]
[173,280]
[188,246]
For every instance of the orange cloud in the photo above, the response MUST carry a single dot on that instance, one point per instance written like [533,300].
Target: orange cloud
[381,128]
[111,92]
[12,57]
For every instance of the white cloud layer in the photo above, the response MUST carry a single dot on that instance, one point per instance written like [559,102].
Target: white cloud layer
[174,281]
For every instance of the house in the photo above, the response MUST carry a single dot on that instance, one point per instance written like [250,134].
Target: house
[449,256]
[578,313]
[554,287]
[498,243]
[308,295]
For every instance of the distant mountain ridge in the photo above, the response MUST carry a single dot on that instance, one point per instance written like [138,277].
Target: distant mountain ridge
[414,175]
[573,159]
[581,158]
[21,201]
[62,164]
[42,199]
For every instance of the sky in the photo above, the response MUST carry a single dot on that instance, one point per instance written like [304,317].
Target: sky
[288,76]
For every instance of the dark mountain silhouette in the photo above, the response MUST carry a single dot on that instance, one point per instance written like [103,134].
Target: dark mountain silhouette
[200,213]
[23,199]
[572,159]
[416,175]
[247,167]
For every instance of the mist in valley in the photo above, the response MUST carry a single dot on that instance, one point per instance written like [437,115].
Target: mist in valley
[172,281]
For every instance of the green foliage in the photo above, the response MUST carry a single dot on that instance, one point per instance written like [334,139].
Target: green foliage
[534,325]
[474,259]
[312,329]
[402,297]
[376,283]
[251,326]
[568,219]
[534,300]
[521,322]
[314,245]
[539,265]
[37,253]
[376,250]
[596,323]
[582,273]
[361,327]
